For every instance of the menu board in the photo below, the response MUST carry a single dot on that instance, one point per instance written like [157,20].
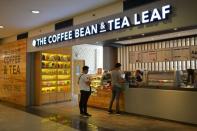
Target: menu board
[135,57]
[144,56]
[181,53]
[152,56]
[13,72]
[164,55]
[193,52]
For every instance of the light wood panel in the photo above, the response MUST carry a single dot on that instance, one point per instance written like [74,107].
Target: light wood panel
[102,99]
[13,72]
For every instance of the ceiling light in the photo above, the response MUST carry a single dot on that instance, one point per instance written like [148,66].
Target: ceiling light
[1,27]
[175,28]
[143,34]
[35,11]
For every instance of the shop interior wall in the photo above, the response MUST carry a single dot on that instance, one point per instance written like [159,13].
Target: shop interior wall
[92,54]
[13,72]
[110,57]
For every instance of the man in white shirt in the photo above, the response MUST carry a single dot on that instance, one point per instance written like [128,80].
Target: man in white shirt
[85,90]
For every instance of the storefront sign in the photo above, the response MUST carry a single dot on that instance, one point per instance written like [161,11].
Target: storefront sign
[144,17]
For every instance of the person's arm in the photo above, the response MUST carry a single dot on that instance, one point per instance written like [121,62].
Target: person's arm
[121,80]
[87,80]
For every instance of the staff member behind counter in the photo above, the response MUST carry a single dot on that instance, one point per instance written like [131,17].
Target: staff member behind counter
[138,81]
[139,76]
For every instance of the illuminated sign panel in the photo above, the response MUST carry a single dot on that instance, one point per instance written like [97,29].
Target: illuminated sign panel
[110,25]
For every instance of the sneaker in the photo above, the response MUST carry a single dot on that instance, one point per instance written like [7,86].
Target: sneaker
[117,113]
[110,111]
[87,114]
[83,115]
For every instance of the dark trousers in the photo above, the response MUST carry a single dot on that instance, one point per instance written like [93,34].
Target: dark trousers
[115,94]
[83,101]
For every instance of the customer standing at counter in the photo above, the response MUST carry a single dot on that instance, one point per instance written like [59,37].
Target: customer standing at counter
[85,90]
[117,81]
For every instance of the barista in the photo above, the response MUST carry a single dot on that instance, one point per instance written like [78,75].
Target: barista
[138,77]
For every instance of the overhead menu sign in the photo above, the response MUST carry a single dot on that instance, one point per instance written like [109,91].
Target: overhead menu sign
[181,53]
[193,52]
[144,17]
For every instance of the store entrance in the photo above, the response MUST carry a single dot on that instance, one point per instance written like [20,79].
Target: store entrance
[57,72]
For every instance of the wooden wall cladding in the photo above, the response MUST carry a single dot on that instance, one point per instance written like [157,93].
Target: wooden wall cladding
[13,72]
[102,100]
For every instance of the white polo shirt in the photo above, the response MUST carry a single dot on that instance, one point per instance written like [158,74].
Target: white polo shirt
[82,82]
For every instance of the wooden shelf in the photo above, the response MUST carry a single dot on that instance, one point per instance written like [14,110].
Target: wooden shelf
[49,74]
[60,68]
[55,61]
[50,80]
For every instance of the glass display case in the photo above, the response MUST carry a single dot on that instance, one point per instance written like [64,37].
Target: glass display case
[101,95]
[161,79]
[95,83]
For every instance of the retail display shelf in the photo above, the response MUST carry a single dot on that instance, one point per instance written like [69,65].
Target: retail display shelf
[55,77]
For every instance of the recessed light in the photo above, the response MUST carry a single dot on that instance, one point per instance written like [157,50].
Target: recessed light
[35,11]
[175,28]
[1,27]
[143,34]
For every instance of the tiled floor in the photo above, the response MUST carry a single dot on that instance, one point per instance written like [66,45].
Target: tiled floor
[12,119]
[64,115]
[101,120]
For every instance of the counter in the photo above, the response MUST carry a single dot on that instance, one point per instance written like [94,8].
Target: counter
[102,98]
[177,105]
[101,95]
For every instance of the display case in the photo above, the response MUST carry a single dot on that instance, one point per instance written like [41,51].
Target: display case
[55,77]
[95,83]
[161,79]
[101,93]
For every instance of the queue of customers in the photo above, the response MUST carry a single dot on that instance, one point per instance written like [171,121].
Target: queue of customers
[118,80]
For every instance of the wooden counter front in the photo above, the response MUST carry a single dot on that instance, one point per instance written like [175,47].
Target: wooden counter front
[102,98]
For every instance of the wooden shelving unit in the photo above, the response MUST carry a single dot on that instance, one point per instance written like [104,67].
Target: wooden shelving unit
[54,82]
